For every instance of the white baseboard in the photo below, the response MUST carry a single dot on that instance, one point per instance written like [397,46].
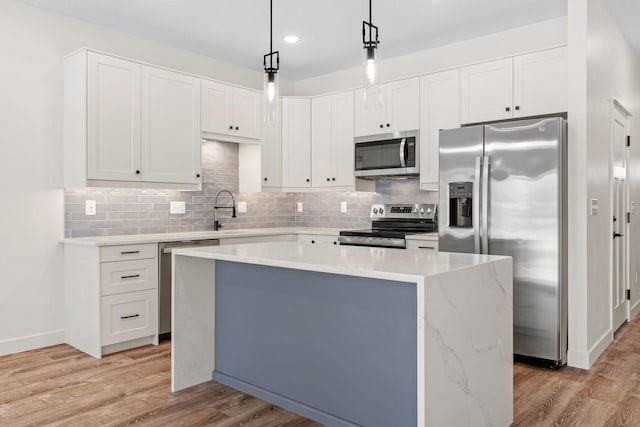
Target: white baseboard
[586,359]
[31,342]
[635,309]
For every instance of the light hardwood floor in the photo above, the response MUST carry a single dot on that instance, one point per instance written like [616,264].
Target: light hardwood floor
[62,386]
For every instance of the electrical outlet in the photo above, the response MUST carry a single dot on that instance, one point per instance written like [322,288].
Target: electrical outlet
[242,207]
[177,208]
[90,207]
[299,206]
[595,207]
[343,207]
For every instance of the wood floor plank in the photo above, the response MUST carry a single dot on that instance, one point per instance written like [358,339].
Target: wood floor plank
[61,386]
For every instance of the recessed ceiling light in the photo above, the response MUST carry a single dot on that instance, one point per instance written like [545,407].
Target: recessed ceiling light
[291,39]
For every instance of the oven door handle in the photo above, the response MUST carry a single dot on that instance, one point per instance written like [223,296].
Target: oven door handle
[403,160]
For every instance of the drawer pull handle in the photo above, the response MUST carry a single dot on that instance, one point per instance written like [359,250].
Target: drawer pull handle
[129,317]
[426,247]
[129,252]
[133,276]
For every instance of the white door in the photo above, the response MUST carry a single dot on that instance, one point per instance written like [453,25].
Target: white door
[540,82]
[113,118]
[217,108]
[439,109]
[368,122]
[402,105]
[170,127]
[247,118]
[296,143]
[342,139]
[486,91]
[619,274]
[321,141]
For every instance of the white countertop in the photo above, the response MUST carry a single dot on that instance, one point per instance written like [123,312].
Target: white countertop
[196,235]
[382,263]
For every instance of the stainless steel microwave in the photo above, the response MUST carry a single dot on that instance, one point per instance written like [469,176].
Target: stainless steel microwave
[389,155]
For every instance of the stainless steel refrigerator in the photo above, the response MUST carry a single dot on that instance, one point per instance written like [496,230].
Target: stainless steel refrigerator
[503,192]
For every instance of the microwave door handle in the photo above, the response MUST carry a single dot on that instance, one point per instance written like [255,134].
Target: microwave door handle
[403,159]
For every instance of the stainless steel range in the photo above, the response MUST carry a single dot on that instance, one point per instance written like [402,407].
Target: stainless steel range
[391,223]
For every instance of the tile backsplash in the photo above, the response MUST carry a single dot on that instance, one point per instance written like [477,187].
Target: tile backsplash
[138,211]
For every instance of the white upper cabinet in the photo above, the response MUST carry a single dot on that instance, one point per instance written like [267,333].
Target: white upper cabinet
[399,112]
[332,140]
[231,111]
[439,109]
[129,125]
[271,157]
[113,118]
[170,127]
[540,82]
[486,91]
[296,143]
[523,86]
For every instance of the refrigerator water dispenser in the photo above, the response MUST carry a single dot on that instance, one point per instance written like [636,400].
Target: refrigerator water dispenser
[460,202]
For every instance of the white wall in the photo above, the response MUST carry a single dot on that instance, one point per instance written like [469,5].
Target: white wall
[506,43]
[32,46]
[602,67]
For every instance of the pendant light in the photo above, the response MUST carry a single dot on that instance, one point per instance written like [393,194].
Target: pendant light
[371,78]
[271,86]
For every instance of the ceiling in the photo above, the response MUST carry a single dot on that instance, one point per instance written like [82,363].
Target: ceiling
[626,13]
[236,31]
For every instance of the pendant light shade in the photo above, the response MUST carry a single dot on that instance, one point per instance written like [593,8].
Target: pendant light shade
[370,73]
[271,63]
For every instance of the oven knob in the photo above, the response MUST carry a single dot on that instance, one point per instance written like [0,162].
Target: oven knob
[375,211]
[429,211]
[415,210]
[422,211]
[381,211]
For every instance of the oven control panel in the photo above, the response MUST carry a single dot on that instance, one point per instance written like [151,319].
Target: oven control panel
[404,211]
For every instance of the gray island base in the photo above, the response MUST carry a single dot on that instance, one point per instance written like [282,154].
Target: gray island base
[349,335]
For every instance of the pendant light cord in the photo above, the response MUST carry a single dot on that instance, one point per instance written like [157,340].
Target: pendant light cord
[271,28]
[370,19]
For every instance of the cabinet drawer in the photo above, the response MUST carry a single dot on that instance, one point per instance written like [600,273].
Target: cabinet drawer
[129,316]
[128,276]
[425,245]
[128,252]
[317,239]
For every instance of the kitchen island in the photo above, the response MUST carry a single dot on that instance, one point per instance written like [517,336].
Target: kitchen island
[349,335]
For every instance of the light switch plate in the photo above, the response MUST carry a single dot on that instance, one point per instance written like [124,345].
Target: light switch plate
[343,207]
[299,206]
[177,208]
[242,207]
[90,207]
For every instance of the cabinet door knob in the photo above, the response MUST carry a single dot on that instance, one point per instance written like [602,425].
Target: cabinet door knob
[335,243]
[388,125]
[197,175]
[137,172]
[230,127]
[307,179]
[237,128]
[328,179]
[517,108]
[265,179]
[333,179]
[507,109]
[313,241]
[381,125]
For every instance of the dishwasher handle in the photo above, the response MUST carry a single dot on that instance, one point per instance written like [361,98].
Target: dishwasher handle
[169,248]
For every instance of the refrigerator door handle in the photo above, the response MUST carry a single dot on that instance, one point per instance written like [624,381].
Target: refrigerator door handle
[403,160]
[485,204]
[475,207]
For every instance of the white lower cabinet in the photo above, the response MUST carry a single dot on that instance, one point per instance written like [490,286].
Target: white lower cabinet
[425,245]
[321,239]
[111,297]
[129,316]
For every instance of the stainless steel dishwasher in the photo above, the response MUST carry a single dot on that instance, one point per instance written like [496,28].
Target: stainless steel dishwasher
[164,267]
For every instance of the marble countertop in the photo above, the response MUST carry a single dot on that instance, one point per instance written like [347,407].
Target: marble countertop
[196,235]
[382,263]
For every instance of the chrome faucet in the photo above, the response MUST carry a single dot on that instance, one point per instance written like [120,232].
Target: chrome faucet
[216,223]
